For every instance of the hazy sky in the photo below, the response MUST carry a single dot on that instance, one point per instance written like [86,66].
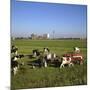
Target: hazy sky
[39,18]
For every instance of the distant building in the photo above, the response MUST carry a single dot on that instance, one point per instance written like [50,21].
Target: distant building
[48,36]
[44,36]
[33,36]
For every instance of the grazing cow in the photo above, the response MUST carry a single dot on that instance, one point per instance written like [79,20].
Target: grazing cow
[14,65]
[50,56]
[14,51]
[46,51]
[77,58]
[42,61]
[71,59]
[77,50]
[36,52]
[14,58]
[57,61]
[13,46]
[66,60]
[20,56]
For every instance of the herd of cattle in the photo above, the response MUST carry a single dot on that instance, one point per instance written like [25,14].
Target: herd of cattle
[44,58]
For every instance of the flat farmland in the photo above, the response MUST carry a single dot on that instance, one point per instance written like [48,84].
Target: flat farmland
[27,77]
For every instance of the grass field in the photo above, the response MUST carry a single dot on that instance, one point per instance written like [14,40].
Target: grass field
[50,76]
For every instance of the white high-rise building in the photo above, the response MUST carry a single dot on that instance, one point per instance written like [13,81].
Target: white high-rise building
[48,35]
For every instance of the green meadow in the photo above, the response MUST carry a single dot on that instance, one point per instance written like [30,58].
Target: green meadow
[27,77]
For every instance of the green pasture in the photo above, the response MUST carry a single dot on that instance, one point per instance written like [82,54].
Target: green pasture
[50,76]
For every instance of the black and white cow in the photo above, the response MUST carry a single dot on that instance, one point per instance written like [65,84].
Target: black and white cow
[35,52]
[76,49]
[14,50]
[13,47]
[57,61]
[50,56]
[42,61]
[14,58]
[46,51]
[14,65]
[21,56]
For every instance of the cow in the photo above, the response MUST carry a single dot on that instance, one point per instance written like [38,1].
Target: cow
[42,61]
[14,58]
[14,65]
[66,60]
[76,49]
[13,47]
[46,51]
[77,58]
[50,57]
[57,61]
[35,52]
[20,56]
[14,50]
[71,59]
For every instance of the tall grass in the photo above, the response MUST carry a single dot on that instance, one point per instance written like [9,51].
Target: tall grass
[50,76]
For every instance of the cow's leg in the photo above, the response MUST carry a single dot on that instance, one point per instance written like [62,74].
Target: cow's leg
[71,64]
[62,65]
[45,64]
[16,53]
[15,70]
[34,55]
[81,62]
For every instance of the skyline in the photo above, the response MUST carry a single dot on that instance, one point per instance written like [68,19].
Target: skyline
[66,20]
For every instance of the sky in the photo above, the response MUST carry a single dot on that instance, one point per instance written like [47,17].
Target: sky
[65,20]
